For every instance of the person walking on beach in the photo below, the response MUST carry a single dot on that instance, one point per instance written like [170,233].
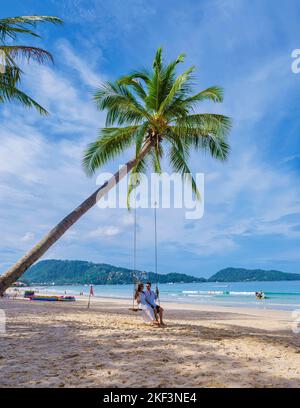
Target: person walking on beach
[151,298]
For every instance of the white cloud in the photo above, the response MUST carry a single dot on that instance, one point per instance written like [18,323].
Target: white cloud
[128,220]
[80,63]
[109,231]
[41,179]
[29,236]
[18,153]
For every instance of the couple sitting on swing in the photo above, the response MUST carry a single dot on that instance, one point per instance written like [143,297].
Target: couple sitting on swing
[153,313]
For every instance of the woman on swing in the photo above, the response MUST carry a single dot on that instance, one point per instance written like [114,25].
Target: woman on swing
[151,310]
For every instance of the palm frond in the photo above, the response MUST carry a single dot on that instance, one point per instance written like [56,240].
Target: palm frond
[10,94]
[214,94]
[168,77]
[182,106]
[135,84]
[157,63]
[120,104]
[176,88]
[179,164]
[172,65]
[162,80]
[219,148]
[141,164]
[136,80]
[10,79]
[16,51]
[156,155]
[31,20]
[204,123]
[205,132]
[12,26]
[157,107]
[140,138]
[154,86]
[141,75]
[135,178]
[111,143]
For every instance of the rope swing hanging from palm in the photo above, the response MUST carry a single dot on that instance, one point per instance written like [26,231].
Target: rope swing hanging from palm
[135,277]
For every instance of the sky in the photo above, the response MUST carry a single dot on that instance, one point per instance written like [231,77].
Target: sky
[252,202]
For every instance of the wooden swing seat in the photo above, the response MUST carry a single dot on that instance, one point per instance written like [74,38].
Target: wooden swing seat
[135,309]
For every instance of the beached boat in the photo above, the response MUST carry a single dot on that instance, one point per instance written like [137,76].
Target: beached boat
[53,298]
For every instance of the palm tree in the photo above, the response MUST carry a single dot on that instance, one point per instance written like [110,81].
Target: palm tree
[11,73]
[152,111]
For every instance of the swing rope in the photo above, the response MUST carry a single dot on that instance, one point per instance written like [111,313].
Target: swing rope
[134,253]
[135,281]
[155,242]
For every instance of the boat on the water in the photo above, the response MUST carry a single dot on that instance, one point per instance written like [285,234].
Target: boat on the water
[260,295]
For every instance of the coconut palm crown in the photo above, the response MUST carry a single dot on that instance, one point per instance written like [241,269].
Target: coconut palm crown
[155,112]
[157,109]
[11,73]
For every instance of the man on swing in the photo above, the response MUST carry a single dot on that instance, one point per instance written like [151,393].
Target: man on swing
[151,298]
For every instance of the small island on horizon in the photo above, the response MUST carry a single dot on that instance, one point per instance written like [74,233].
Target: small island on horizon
[73,272]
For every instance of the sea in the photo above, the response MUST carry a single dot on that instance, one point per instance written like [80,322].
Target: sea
[283,295]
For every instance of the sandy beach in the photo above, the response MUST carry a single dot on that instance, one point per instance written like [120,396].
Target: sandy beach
[66,345]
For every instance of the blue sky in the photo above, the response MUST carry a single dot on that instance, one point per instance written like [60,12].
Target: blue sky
[252,203]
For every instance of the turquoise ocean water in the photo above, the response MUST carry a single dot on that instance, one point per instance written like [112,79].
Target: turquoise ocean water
[284,295]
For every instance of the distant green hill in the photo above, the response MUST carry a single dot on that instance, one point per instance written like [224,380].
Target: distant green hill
[245,275]
[82,272]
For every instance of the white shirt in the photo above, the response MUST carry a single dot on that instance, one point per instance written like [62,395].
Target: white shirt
[151,297]
[142,298]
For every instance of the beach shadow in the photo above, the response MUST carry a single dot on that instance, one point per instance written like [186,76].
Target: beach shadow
[57,349]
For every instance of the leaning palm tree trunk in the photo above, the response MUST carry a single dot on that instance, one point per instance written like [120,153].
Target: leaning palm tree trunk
[17,270]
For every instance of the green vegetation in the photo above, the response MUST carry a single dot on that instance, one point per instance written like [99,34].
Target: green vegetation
[245,275]
[11,53]
[81,272]
[155,112]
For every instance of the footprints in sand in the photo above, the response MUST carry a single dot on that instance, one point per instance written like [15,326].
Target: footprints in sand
[72,347]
